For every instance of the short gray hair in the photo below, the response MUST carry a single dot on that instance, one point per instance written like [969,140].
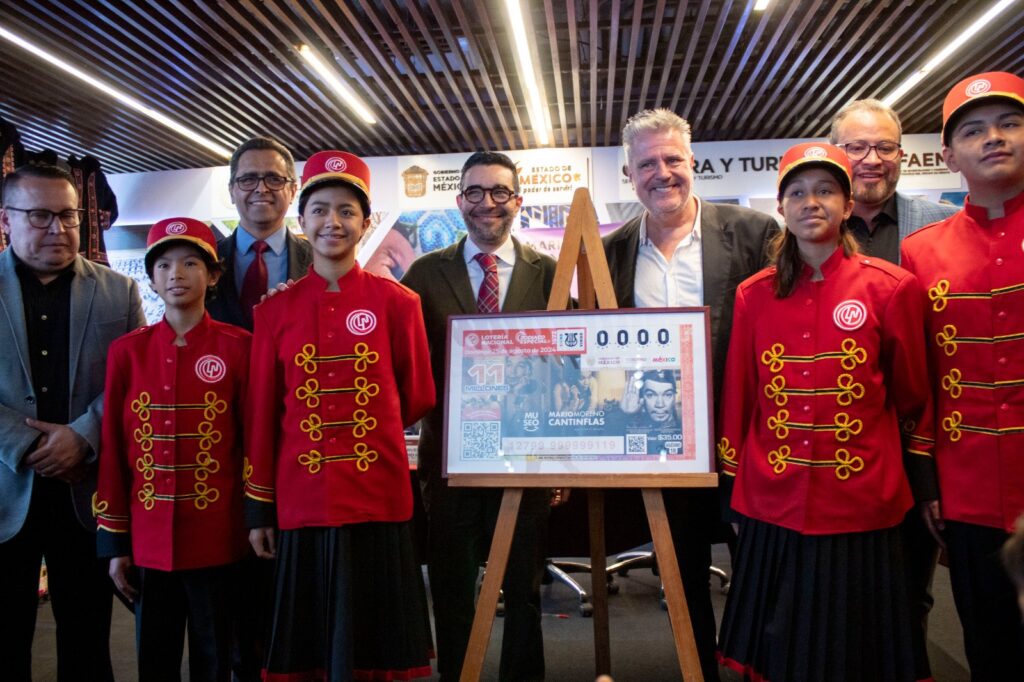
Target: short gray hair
[873,106]
[653,120]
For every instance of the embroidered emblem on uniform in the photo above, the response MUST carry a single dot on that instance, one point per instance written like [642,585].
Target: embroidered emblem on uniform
[977,87]
[335,164]
[211,369]
[815,153]
[850,315]
[361,322]
[177,227]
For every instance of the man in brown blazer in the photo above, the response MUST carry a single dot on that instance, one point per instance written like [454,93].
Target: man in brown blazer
[461,280]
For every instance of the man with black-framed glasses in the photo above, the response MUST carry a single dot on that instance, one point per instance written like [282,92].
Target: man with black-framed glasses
[489,270]
[261,253]
[58,315]
[870,133]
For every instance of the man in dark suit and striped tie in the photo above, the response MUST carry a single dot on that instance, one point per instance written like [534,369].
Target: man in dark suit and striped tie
[486,271]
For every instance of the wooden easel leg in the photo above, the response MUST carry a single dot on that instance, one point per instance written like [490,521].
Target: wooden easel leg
[678,612]
[487,602]
[599,582]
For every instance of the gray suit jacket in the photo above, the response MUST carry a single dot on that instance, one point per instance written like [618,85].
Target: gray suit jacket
[734,243]
[442,281]
[225,307]
[104,306]
[913,214]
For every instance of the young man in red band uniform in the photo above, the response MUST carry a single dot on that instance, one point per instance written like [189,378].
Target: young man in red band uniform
[340,366]
[825,362]
[972,267]
[169,500]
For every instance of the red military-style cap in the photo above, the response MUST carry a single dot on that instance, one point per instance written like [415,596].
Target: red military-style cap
[830,157]
[335,166]
[188,230]
[979,89]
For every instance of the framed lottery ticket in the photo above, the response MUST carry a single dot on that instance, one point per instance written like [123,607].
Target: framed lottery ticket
[615,398]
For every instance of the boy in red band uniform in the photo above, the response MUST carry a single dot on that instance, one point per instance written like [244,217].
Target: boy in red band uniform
[169,498]
[340,366]
[972,267]
[825,361]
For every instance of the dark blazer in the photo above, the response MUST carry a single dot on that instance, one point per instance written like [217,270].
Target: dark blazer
[734,243]
[104,306]
[442,281]
[225,306]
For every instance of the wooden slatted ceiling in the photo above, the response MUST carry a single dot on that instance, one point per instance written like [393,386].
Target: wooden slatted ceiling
[440,75]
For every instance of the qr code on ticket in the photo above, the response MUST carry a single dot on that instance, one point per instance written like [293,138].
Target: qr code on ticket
[481,440]
[636,443]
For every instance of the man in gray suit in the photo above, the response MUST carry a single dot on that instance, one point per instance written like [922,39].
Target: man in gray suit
[871,134]
[261,253]
[683,251]
[486,272]
[60,313]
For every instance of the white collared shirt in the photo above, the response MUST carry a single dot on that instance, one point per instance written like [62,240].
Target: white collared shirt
[675,283]
[506,254]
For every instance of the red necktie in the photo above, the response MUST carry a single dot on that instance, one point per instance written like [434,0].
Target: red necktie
[487,299]
[254,284]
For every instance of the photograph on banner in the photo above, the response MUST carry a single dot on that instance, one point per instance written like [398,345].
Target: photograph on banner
[594,392]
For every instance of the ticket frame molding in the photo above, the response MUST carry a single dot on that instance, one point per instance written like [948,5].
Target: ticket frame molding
[596,398]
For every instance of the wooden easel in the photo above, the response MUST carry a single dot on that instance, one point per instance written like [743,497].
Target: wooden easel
[583,253]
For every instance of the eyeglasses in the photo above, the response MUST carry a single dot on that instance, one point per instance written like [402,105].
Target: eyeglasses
[499,194]
[42,219]
[857,150]
[274,183]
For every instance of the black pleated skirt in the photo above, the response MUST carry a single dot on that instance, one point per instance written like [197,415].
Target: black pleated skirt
[817,607]
[349,604]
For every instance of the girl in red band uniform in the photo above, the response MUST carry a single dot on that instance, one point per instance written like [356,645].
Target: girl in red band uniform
[340,366]
[825,361]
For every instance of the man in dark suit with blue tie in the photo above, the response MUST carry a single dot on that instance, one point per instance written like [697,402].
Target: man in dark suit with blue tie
[487,271]
[261,253]
[683,251]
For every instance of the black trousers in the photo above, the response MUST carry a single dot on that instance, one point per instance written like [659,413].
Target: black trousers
[170,602]
[695,523]
[920,554]
[253,598]
[80,590]
[986,602]
[461,525]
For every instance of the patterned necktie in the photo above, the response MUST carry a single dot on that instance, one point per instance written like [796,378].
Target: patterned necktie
[487,299]
[254,284]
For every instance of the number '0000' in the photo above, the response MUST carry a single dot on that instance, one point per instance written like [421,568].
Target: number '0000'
[622,338]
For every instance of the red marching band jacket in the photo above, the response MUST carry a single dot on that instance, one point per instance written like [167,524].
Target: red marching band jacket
[972,269]
[170,474]
[816,385]
[336,376]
